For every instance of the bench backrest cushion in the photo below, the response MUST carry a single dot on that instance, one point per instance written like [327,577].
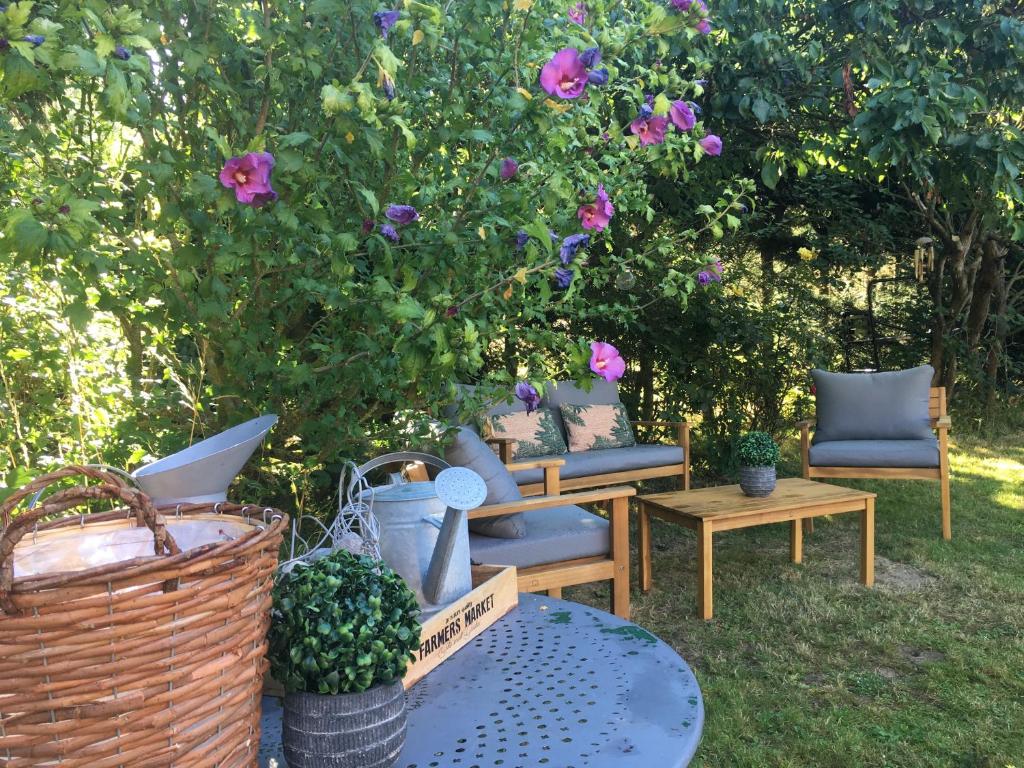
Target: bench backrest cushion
[559,393]
[470,451]
[873,406]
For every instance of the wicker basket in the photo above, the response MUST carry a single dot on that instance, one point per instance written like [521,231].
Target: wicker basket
[157,660]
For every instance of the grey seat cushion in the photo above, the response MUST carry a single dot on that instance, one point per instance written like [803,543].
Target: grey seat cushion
[873,406]
[470,451]
[556,534]
[599,462]
[875,453]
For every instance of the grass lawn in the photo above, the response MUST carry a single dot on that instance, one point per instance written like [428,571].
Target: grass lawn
[803,666]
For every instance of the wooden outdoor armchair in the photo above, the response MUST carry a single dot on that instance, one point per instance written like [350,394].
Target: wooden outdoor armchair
[552,577]
[940,423]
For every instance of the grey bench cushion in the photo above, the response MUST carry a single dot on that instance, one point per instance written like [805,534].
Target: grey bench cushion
[875,453]
[470,451]
[586,463]
[873,406]
[553,535]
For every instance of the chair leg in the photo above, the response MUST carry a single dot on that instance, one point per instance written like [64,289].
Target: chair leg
[620,554]
[947,515]
[808,524]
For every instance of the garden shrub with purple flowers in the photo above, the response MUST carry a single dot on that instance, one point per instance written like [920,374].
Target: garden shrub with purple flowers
[336,210]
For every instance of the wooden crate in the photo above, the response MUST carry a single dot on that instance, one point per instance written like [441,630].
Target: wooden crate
[494,594]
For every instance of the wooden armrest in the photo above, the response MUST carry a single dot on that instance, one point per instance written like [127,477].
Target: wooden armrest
[545,502]
[943,422]
[658,423]
[519,466]
[498,440]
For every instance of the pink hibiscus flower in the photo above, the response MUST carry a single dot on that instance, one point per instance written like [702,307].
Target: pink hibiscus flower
[651,130]
[249,176]
[606,361]
[597,214]
[565,75]
[711,144]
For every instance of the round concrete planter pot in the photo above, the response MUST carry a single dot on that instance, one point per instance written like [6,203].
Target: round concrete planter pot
[757,481]
[349,730]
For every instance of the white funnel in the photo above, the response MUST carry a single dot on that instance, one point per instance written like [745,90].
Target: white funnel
[203,472]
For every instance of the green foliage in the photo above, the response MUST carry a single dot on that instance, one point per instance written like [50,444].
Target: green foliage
[757,449]
[342,625]
[112,168]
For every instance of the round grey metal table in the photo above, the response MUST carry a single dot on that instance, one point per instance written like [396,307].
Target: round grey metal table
[553,684]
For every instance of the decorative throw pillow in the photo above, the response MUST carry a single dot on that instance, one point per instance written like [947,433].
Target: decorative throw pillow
[593,427]
[873,406]
[535,434]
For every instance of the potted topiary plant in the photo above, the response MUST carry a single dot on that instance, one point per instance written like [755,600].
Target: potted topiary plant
[758,454]
[343,631]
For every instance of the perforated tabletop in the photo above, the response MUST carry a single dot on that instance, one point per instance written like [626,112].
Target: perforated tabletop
[553,684]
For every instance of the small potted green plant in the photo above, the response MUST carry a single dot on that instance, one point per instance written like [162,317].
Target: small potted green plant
[757,454]
[343,631]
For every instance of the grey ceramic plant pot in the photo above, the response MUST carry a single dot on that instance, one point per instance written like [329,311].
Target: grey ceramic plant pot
[757,481]
[349,730]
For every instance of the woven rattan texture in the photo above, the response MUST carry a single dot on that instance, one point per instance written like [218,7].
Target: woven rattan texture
[156,661]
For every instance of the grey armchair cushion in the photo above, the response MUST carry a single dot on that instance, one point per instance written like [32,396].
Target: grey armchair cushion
[558,393]
[556,534]
[873,406]
[470,451]
[875,453]
[586,463]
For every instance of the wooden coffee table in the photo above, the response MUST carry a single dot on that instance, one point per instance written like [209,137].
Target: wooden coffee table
[725,508]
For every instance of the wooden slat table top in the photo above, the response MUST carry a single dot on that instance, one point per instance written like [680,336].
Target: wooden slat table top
[726,501]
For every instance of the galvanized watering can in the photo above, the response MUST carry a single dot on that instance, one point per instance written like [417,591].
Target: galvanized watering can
[424,527]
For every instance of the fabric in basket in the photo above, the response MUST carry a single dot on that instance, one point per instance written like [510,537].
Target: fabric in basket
[595,427]
[535,434]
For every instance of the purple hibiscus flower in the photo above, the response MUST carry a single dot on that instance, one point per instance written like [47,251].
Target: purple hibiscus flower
[368,226]
[597,76]
[385,20]
[578,14]
[402,214]
[36,40]
[704,27]
[563,277]
[522,238]
[646,111]
[389,88]
[122,53]
[650,130]
[528,394]
[509,168]
[389,232]
[249,176]
[565,75]
[571,246]
[682,5]
[591,57]
[682,116]
[711,144]
[4,45]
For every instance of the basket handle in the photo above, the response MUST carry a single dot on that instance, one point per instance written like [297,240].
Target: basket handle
[110,487]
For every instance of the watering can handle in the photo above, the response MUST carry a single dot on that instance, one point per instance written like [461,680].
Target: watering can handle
[401,457]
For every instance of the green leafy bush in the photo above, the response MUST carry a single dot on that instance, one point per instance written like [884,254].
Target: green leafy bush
[342,626]
[757,449]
